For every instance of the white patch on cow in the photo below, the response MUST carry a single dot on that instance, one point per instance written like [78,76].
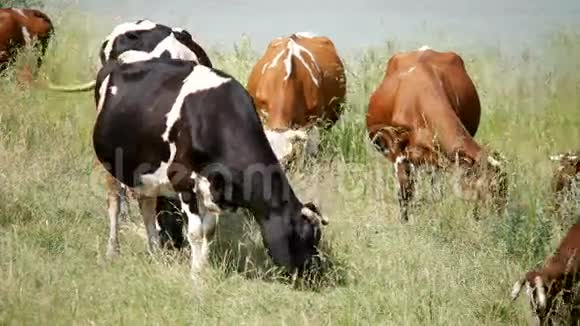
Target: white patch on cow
[19,11]
[424,48]
[312,216]
[113,90]
[200,78]
[102,93]
[274,61]
[194,237]
[296,50]
[26,36]
[156,183]
[284,144]
[516,289]
[541,291]
[408,71]
[398,161]
[177,29]
[133,56]
[176,49]
[558,157]
[493,162]
[123,28]
[305,34]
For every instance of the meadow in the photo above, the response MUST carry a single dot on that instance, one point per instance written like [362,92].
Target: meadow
[442,268]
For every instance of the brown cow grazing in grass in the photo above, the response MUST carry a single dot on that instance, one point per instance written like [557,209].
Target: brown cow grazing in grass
[23,27]
[298,83]
[425,113]
[556,276]
[564,176]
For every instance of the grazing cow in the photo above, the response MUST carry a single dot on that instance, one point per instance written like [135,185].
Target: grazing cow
[22,27]
[148,37]
[298,82]
[182,130]
[557,275]
[565,175]
[426,112]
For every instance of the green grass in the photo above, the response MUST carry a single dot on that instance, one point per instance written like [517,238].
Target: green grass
[443,268]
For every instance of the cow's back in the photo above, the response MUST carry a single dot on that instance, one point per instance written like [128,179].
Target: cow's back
[134,100]
[10,34]
[254,78]
[449,69]
[333,76]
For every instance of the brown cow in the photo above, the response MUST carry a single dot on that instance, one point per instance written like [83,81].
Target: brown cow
[557,275]
[21,27]
[426,112]
[564,176]
[298,83]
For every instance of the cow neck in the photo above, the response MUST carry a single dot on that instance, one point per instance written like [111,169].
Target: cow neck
[279,198]
[451,134]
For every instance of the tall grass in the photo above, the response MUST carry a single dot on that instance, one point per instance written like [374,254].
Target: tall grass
[443,268]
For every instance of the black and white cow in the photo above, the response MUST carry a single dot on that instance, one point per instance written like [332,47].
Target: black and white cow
[148,37]
[183,130]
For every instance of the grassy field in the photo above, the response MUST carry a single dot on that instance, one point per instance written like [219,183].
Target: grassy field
[442,268]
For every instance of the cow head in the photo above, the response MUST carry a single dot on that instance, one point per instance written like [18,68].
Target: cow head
[536,292]
[292,237]
[153,39]
[289,144]
[482,179]
[568,169]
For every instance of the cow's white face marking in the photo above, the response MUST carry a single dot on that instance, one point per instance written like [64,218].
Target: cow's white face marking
[296,50]
[19,11]
[113,90]
[398,161]
[26,36]
[102,93]
[122,29]
[424,48]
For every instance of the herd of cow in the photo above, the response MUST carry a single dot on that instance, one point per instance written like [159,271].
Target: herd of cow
[183,137]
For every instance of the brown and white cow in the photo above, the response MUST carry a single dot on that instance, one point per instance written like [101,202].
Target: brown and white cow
[556,276]
[426,111]
[297,84]
[564,176]
[22,27]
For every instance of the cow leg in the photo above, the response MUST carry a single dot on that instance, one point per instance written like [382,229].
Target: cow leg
[113,210]
[202,214]
[194,231]
[147,206]
[208,211]
[405,177]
